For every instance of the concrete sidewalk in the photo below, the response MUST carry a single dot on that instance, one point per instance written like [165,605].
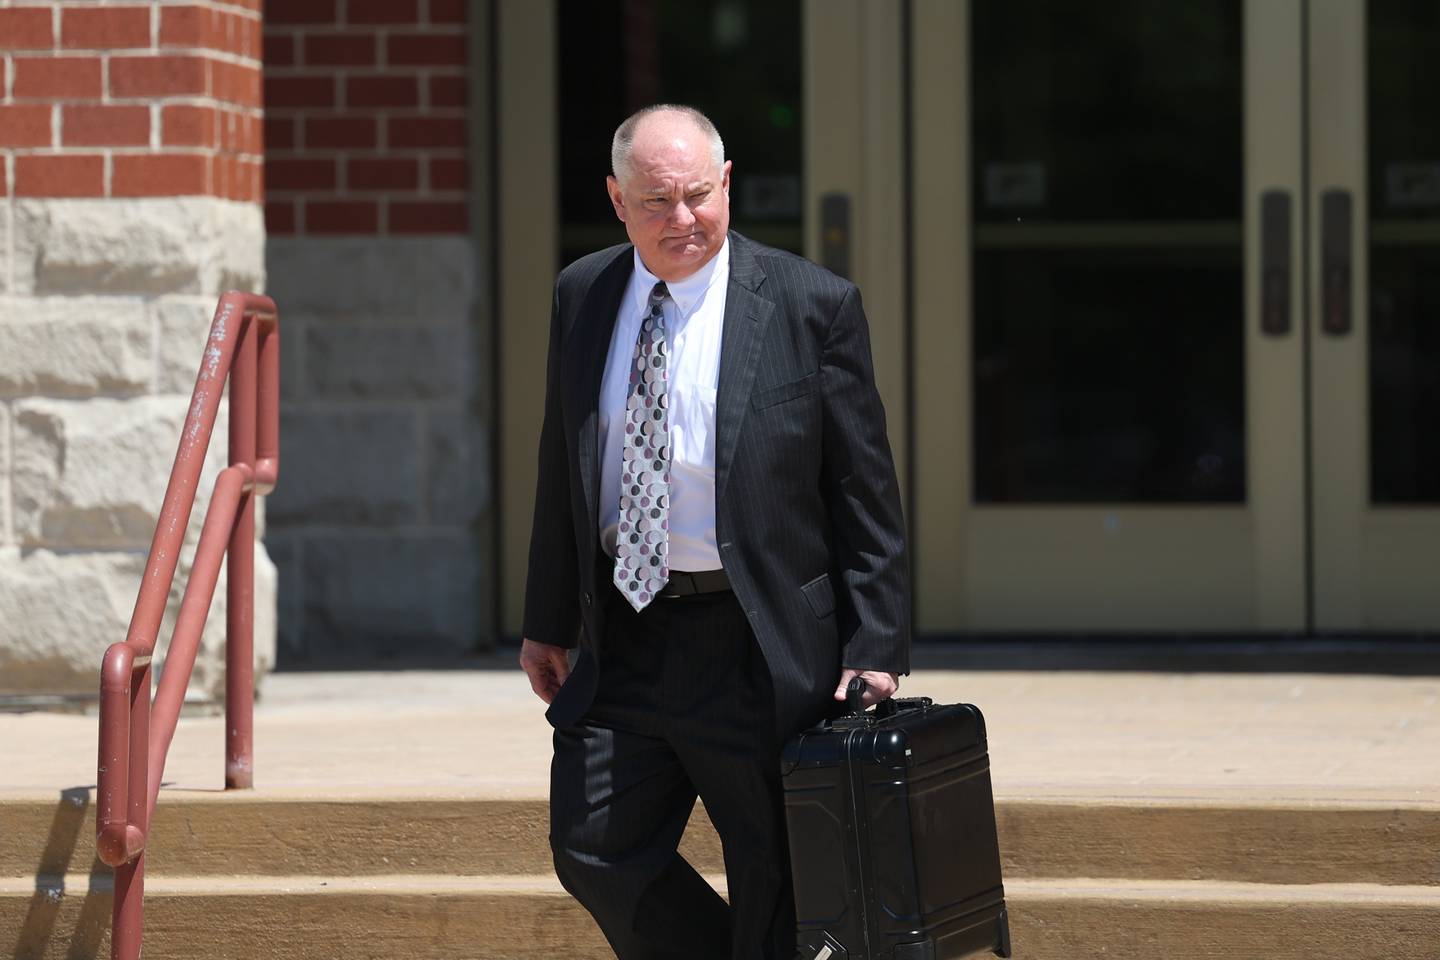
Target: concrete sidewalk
[1266,737]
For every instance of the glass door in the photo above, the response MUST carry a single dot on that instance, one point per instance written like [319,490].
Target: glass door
[1375,358]
[1109,423]
[1176,290]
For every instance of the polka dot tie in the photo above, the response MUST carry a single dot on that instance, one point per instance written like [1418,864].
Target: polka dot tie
[642,544]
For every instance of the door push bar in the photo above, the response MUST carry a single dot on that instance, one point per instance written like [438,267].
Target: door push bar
[1275,263]
[1336,228]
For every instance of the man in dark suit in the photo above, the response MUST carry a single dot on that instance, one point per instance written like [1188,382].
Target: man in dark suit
[718,529]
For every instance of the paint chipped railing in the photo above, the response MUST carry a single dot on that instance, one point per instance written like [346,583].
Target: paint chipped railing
[244,344]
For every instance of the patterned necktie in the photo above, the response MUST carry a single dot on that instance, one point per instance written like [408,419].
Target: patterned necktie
[642,543]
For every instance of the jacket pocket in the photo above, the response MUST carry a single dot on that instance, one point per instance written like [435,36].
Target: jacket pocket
[820,594]
[780,392]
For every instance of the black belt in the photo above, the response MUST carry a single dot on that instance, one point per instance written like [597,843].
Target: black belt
[680,584]
[687,584]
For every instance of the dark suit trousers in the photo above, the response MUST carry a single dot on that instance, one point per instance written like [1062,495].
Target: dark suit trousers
[684,707]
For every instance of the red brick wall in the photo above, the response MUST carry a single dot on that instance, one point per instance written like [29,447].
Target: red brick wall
[130,100]
[365,116]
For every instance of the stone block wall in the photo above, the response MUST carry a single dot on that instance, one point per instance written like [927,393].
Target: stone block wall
[379,531]
[130,175]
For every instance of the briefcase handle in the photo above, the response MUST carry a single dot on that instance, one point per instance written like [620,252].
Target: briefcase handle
[855,702]
[855,696]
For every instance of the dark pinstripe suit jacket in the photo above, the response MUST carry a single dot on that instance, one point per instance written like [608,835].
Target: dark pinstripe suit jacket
[807,510]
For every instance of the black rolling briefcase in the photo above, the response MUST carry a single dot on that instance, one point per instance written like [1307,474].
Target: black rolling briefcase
[892,834]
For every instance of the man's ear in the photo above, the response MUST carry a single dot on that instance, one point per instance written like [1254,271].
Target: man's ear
[725,178]
[617,199]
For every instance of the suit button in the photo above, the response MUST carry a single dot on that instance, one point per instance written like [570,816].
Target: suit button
[587,598]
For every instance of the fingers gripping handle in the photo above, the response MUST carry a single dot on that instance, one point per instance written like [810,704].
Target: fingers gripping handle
[855,696]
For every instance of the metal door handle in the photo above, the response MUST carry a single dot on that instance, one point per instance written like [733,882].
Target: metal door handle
[1336,221]
[1275,263]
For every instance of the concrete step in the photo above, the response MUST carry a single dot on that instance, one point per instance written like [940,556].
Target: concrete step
[1139,838]
[402,917]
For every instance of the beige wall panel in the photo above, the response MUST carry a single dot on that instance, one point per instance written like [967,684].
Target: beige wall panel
[528,216]
[1069,569]
[1401,578]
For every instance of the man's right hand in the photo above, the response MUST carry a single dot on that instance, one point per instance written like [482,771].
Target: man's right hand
[546,665]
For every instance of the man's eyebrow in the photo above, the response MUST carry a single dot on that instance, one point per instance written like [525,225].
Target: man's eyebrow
[660,190]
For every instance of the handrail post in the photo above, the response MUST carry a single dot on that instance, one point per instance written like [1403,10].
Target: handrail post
[240,570]
[128,909]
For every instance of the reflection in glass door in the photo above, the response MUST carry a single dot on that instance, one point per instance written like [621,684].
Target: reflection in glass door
[1403,182]
[1403,131]
[1107,177]
[736,60]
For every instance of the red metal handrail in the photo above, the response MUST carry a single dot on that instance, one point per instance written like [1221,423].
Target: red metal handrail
[244,344]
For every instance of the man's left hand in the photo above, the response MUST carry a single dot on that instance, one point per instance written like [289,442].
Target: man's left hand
[878,685]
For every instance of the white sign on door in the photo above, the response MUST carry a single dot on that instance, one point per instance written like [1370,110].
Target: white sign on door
[1412,186]
[1014,185]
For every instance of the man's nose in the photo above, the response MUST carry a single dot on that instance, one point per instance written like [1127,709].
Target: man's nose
[681,215]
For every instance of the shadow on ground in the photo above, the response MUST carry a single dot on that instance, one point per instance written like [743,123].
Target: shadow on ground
[44,920]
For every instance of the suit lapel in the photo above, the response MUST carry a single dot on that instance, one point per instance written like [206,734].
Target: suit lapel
[587,352]
[746,316]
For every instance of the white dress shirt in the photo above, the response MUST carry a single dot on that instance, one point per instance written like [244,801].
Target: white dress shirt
[694,319]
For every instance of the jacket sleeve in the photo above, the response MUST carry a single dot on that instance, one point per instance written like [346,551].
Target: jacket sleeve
[552,603]
[863,499]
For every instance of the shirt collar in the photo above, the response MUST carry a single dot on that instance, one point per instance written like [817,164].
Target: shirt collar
[686,293]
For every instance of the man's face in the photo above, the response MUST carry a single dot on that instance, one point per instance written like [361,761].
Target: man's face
[675,202]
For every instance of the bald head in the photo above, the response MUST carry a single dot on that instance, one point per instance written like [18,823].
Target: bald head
[671,188]
[660,126]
